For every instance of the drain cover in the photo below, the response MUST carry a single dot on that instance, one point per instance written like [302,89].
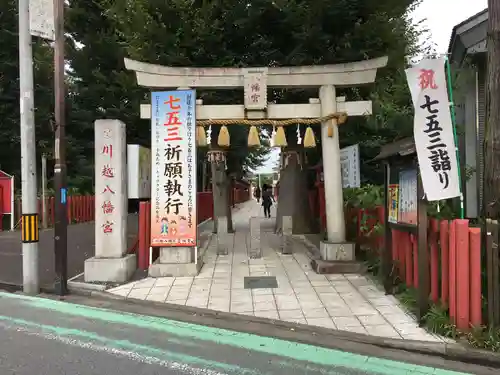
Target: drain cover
[260,282]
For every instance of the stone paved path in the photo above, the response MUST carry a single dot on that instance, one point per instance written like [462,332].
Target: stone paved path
[345,302]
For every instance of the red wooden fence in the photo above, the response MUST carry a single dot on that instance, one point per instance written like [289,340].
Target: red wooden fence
[454,261]
[81,208]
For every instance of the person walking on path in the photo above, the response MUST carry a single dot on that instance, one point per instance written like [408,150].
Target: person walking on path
[267,200]
[257,194]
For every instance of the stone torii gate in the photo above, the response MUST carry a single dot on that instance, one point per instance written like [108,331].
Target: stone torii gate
[255,82]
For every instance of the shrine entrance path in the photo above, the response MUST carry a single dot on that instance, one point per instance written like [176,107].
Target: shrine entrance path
[344,302]
[81,245]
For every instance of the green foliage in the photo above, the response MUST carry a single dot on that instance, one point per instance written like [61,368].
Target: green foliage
[367,196]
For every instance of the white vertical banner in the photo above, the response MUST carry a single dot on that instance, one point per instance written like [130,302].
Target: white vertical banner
[173,150]
[349,162]
[138,172]
[110,189]
[433,130]
[42,19]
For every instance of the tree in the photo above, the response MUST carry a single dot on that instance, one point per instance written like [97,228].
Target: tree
[10,159]
[492,134]
[151,31]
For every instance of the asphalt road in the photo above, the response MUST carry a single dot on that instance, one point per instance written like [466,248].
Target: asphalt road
[81,245]
[48,337]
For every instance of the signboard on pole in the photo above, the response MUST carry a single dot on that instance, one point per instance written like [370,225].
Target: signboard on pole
[139,172]
[408,197]
[42,19]
[349,162]
[433,130]
[173,150]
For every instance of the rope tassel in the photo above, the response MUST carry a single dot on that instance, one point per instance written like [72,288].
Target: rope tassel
[201,138]
[224,139]
[309,139]
[253,137]
[280,138]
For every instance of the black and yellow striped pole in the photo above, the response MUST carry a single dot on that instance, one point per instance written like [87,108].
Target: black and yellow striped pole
[30,228]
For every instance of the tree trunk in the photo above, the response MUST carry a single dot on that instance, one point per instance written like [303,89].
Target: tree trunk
[492,132]
[293,198]
[220,193]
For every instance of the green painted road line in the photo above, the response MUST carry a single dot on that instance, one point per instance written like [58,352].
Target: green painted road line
[143,350]
[287,349]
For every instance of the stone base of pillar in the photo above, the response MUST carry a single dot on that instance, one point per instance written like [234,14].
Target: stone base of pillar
[337,258]
[337,267]
[337,251]
[225,243]
[117,270]
[255,246]
[286,235]
[175,262]
[221,225]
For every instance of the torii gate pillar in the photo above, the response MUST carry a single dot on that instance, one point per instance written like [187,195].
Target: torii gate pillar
[334,204]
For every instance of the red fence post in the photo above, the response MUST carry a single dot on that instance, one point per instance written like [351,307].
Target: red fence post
[453,272]
[434,259]
[70,209]
[408,260]
[414,247]
[475,277]
[79,212]
[463,270]
[445,260]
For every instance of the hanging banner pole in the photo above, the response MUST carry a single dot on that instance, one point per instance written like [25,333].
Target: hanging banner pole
[454,125]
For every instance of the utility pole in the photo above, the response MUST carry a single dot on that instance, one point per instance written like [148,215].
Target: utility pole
[492,136]
[29,185]
[44,192]
[61,218]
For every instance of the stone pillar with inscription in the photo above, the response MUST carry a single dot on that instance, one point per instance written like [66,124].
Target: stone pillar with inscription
[111,263]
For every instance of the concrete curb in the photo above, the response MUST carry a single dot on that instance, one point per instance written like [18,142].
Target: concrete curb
[78,285]
[317,336]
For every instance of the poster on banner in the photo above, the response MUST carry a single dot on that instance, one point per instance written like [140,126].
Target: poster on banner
[433,130]
[408,197]
[393,203]
[173,150]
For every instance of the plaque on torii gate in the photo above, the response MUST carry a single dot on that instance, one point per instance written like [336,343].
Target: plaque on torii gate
[255,82]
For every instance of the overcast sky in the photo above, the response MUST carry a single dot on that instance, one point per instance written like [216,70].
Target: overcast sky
[440,18]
